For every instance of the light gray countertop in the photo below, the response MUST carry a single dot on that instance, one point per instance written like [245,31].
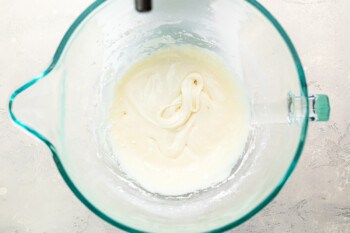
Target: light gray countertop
[33,196]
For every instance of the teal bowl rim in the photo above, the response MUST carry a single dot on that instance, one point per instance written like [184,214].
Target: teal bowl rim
[85,201]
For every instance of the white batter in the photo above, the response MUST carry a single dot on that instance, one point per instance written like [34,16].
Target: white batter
[179,121]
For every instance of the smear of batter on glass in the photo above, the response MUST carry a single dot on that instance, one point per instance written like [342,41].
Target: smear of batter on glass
[180,120]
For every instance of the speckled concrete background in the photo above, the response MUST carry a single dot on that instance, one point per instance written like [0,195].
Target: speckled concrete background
[33,197]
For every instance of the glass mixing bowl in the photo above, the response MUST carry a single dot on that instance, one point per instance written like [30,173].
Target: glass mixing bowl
[67,107]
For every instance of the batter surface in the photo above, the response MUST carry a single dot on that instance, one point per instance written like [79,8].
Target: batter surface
[180,120]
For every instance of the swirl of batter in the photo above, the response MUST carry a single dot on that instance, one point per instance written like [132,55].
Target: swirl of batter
[184,105]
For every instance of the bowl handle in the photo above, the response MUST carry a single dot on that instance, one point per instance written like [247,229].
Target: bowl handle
[319,108]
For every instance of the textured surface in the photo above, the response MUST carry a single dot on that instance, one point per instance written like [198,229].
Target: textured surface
[33,197]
